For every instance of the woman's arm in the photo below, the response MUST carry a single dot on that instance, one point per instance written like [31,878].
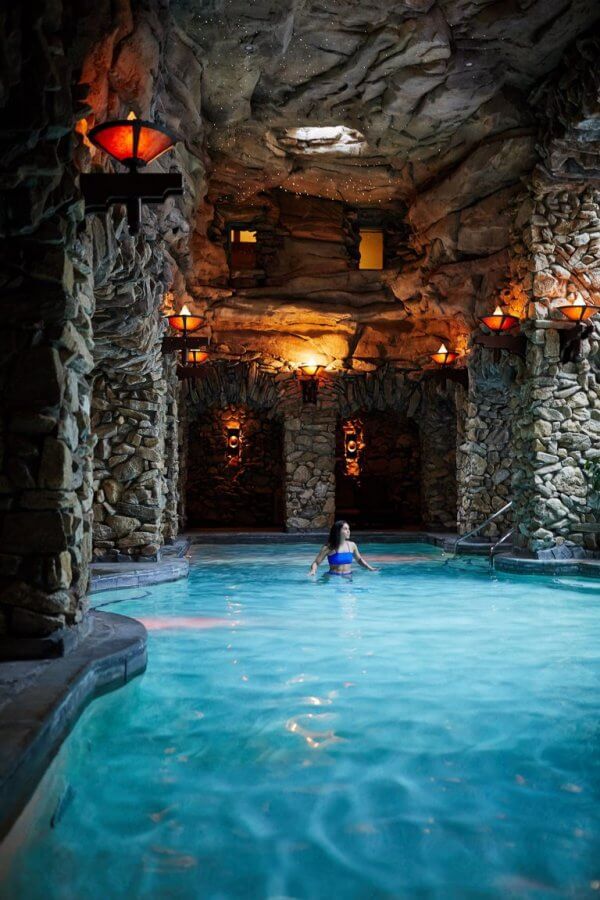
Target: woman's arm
[318,559]
[359,559]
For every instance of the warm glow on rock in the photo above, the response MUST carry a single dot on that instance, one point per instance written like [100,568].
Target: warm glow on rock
[371,249]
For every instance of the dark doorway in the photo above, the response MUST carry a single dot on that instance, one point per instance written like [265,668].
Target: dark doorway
[235,470]
[378,471]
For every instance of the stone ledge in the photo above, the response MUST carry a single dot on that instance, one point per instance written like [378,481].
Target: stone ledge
[523,566]
[116,576]
[41,701]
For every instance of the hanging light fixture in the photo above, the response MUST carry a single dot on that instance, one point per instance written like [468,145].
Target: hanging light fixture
[578,310]
[134,143]
[444,357]
[309,381]
[499,321]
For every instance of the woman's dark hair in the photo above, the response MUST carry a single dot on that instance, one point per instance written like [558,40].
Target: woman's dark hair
[335,534]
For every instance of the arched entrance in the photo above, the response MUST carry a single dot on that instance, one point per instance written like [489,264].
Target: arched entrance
[234,469]
[378,482]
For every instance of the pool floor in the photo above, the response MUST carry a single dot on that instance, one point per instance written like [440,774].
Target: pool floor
[426,731]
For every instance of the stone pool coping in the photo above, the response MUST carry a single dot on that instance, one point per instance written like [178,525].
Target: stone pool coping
[41,700]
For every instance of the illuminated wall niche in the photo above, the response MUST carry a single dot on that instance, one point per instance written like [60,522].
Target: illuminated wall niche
[370,248]
[242,248]
[234,443]
[353,447]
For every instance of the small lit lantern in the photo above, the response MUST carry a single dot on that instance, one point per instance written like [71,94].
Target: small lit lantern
[444,357]
[353,447]
[499,321]
[309,382]
[578,310]
[234,441]
[196,357]
[134,143]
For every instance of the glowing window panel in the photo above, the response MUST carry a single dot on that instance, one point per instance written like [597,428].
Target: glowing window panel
[371,249]
[242,236]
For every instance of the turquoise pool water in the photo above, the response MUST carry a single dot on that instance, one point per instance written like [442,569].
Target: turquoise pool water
[428,731]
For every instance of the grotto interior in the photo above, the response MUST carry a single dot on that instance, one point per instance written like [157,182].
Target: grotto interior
[361,183]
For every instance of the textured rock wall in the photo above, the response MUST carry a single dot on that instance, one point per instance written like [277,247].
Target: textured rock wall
[437,430]
[558,429]
[170,518]
[46,304]
[235,490]
[485,461]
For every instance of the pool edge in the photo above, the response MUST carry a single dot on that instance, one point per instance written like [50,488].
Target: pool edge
[36,721]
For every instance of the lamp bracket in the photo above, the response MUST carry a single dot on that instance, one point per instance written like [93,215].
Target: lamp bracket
[570,341]
[513,343]
[172,344]
[446,373]
[100,190]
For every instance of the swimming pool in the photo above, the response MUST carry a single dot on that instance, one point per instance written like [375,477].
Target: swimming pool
[429,730]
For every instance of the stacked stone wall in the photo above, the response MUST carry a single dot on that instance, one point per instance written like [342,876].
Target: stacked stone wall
[485,460]
[558,433]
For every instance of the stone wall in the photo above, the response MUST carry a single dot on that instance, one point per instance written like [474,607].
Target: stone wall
[437,430]
[46,304]
[485,450]
[558,430]
[241,489]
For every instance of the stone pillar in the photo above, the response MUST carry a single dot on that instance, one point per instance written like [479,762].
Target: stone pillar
[557,433]
[129,417]
[45,341]
[437,432]
[309,453]
[485,459]
[170,528]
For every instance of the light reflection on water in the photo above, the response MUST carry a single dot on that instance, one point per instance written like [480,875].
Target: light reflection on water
[427,731]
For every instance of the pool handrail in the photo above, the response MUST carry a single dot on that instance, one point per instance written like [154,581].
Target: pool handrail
[489,519]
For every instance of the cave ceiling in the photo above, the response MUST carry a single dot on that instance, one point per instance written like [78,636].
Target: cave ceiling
[440,91]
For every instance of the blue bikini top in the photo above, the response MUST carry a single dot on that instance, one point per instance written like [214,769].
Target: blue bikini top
[340,559]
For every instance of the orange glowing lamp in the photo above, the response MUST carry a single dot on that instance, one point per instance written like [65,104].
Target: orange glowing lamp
[196,357]
[310,371]
[579,310]
[499,321]
[444,357]
[309,381]
[134,143]
[185,322]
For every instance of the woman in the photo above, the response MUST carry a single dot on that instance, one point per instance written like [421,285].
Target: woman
[340,551]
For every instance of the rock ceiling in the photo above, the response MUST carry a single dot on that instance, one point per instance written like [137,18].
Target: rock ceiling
[440,92]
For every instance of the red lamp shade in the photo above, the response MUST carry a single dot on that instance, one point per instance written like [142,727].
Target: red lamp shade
[133,142]
[196,357]
[184,321]
[499,321]
[579,311]
[444,357]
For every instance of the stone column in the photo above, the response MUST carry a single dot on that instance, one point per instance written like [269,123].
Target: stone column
[486,460]
[557,434]
[46,303]
[309,453]
[437,432]
[170,528]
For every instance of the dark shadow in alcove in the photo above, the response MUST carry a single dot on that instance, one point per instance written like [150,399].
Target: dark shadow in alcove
[386,490]
[224,490]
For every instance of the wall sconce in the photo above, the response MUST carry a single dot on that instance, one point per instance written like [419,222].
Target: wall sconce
[184,323]
[353,447]
[499,323]
[309,382]
[196,357]
[577,312]
[444,357]
[234,441]
[134,143]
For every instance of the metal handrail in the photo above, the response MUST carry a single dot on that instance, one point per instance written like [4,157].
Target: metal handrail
[489,519]
[499,543]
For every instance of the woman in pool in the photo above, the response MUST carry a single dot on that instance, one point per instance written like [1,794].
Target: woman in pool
[340,551]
